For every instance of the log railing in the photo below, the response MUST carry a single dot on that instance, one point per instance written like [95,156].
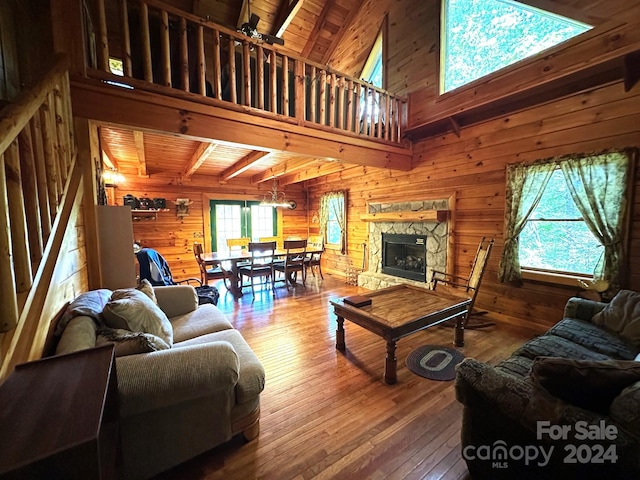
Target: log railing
[37,160]
[164,46]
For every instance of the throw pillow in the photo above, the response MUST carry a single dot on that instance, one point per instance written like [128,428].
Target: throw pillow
[622,315]
[130,343]
[130,309]
[145,287]
[589,384]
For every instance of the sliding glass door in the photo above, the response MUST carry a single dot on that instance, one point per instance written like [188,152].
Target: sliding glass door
[237,218]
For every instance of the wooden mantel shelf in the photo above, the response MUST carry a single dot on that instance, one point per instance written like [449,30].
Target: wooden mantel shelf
[407,216]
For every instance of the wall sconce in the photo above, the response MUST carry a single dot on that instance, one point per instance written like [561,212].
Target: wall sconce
[276,198]
[112,177]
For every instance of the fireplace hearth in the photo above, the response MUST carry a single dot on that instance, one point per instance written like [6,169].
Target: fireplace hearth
[404,256]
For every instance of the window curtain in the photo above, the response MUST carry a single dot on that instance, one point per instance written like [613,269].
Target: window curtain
[598,185]
[337,202]
[525,186]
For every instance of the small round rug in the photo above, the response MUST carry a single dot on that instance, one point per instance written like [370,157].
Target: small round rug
[434,362]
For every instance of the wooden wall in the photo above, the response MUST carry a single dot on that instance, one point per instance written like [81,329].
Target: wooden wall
[473,166]
[174,237]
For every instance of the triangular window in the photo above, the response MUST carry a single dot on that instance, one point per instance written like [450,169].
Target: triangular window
[372,71]
[482,36]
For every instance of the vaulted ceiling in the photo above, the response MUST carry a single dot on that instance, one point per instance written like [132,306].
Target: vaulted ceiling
[312,29]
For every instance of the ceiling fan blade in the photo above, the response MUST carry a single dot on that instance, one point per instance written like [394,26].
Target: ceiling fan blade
[253,20]
[271,39]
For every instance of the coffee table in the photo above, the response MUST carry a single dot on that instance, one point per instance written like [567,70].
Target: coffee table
[398,311]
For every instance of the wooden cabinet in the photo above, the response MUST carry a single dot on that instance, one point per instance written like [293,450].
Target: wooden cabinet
[59,418]
[115,247]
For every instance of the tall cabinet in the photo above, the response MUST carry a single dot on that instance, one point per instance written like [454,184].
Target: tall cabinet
[115,247]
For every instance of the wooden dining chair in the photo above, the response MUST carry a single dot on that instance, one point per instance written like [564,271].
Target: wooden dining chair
[469,285]
[209,272]
[261,264]
[294,258]
[278,241]
[238,244]
[314,242]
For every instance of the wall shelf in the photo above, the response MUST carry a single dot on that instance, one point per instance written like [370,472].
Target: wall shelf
[407,216]
[151,214]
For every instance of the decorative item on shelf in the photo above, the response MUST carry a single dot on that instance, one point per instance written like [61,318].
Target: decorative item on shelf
[159,203]
[182,207]
[277,198]
[131,201]
[146,203]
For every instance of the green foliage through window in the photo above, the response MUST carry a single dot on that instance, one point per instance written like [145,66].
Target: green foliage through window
[483,36]
[556,237]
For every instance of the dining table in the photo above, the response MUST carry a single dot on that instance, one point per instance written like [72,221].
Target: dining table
[235,257]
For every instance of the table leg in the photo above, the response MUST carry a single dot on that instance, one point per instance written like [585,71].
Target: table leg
[340,345]
[458,332]
[390,364]
[234,280]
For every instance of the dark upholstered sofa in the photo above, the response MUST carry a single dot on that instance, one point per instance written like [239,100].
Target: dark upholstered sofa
[535,417]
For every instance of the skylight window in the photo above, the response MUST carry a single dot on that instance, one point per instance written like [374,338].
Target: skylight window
[482,36]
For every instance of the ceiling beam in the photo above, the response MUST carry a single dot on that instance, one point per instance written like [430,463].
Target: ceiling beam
[138,138]
[244,14]
[197,159]
[344,27]
[322,18]
[284,168]
[286,13]
[108,158]
[208,123]
[315,172]
[243,164]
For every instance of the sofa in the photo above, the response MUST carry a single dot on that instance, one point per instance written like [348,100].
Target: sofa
[566,404]
[187,383]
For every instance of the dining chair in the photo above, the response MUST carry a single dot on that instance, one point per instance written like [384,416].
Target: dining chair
[278,241]
[294,258]
[238,244]
[260,265]
[471,284]
[314,242]
[211,273]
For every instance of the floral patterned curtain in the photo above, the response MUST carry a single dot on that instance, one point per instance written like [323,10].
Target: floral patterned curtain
[598,186]
[525,186]
[335,203]
[597,183]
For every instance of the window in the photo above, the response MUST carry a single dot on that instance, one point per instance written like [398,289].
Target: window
[567,215]
[372,71]
[235,219]
[556,237]
[333,220]
[482,36]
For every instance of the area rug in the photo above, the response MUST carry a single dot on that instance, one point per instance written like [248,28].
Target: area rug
[434,362]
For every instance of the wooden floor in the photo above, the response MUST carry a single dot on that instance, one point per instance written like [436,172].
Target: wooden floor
[329,415]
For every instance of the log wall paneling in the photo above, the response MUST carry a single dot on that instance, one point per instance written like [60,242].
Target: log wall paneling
[473,165]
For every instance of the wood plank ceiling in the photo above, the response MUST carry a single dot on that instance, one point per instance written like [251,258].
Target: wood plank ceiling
[311,28]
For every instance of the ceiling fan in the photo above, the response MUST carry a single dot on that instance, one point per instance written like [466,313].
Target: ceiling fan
[250,29]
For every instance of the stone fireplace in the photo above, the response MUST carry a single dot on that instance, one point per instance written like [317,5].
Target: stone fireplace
[428,220]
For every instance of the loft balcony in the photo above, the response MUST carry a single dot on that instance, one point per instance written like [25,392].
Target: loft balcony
[153,67]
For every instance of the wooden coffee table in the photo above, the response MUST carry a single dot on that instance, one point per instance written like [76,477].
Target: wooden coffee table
[398,311]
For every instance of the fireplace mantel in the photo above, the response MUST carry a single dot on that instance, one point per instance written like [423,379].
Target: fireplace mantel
[407,216]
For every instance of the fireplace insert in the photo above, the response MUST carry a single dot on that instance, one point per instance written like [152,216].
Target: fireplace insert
[404,256]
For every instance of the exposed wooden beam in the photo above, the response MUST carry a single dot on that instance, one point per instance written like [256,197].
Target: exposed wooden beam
[455,126]
[284,168]
[108,158]
[322,18]
[244,13]
[344,27]
[243,164]
[138,138]
[206,123]
[197,159]
[319,171]
[286,13]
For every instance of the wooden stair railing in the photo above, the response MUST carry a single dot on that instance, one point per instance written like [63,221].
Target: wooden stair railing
[39,179]
[172,49]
